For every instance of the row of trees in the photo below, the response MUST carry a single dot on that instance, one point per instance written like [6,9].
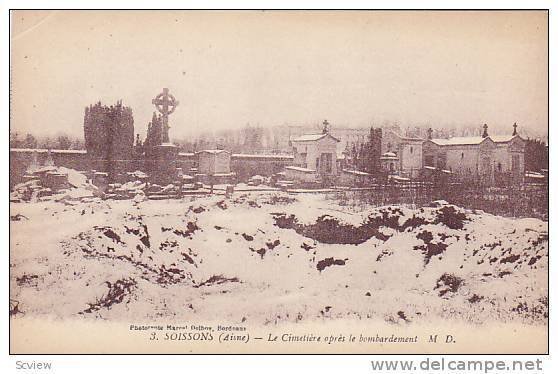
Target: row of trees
[249,139]
[60,141]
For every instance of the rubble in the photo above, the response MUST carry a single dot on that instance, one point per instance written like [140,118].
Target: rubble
[53,182]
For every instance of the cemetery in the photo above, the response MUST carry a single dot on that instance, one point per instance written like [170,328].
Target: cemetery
[117,164]
[133,229]
[116,167]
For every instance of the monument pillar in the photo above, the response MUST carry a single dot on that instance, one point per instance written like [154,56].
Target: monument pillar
[164,156]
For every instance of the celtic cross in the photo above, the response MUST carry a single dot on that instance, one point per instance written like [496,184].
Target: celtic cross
[165,104]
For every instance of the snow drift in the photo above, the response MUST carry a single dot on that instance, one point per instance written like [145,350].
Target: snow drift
[268,258]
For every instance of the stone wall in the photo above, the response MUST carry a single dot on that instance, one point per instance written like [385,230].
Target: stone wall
[244,165]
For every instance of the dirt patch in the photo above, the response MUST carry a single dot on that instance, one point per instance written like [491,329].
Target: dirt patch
[543,238]
[145,237]
[430,248]
[191,228]
[261,252]
[401,314]
[306,247]
[197,210]
[18,217]
[247,237]
[115,295]
[414,222]
[322,264]
[328,229]
[536,311]
[217,279]
[168,245]
[131,230]
[109,233]
[451,217]
[161,275]
[384,253]
[187,258]
[170,275]
[512,258]
[272,244]
[534,259]
[475,298]
[29,280]
[142,234]
[448,283]
[425,236]
[14,308]
[387,217]
[285,221]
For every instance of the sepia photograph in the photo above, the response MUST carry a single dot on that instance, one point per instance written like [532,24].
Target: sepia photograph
[279,182]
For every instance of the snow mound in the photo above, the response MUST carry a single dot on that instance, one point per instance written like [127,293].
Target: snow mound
[276,259]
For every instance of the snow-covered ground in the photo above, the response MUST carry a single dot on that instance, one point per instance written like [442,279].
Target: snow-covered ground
[270,257]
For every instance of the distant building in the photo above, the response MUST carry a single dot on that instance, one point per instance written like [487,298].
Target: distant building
[349,137]
[283,135]
[490,159]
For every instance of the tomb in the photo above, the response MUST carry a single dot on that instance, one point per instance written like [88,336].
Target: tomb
[214,166]
[315,157]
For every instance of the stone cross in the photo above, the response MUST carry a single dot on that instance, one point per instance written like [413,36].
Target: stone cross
[515,128]
[165,104]
[485,133]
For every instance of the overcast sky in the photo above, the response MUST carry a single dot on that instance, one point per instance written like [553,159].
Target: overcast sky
[271,68]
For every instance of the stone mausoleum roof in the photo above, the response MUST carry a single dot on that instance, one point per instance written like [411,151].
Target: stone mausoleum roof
[473,140]
[312,137]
